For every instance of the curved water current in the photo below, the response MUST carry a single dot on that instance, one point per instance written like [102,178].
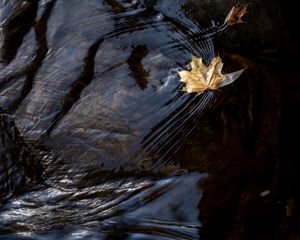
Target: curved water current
[90,91]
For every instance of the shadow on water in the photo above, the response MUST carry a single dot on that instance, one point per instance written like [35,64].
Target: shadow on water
[99,142]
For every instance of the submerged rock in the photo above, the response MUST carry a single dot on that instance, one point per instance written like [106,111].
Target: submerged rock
[96,82]
[18,166]
[102,88]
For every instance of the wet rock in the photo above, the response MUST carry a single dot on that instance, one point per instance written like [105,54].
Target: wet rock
[15,26]
[96,82]
[17,165]
[101,80]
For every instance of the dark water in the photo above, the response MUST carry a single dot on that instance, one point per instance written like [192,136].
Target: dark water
[98,141]
[96,83]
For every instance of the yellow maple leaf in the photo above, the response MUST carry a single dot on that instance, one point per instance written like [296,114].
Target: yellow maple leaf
[201,77]
[236,13]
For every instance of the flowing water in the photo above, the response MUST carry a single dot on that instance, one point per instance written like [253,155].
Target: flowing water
[94,120]
[96,83]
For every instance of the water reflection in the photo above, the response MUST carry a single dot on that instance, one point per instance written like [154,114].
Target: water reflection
[95,83]
[123,207]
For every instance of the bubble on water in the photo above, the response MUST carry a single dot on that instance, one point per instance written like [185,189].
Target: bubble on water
[159,17]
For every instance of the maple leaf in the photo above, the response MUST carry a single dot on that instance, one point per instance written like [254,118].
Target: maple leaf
[201,77]
[236,13]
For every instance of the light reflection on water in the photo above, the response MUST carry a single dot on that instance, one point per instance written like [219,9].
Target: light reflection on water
[98,86]
[126,207]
